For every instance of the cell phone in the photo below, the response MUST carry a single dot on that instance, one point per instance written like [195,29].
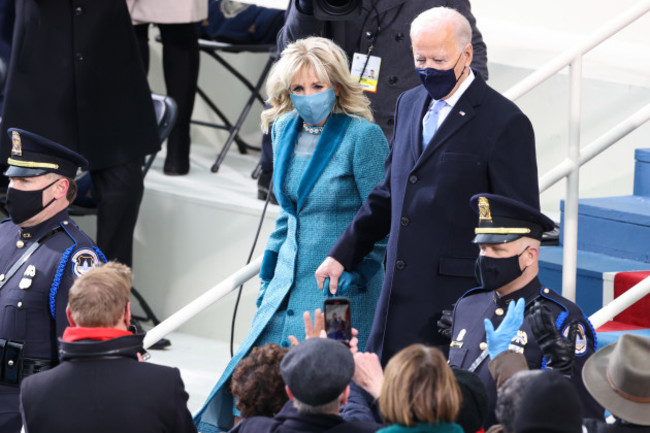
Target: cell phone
[338,319]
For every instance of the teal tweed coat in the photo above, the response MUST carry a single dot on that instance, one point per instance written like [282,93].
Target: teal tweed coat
[318,198]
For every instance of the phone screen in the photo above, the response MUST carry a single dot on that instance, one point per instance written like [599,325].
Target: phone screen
[338,323]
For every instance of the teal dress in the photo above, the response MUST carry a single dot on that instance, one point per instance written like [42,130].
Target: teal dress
[319,194]
[441,427]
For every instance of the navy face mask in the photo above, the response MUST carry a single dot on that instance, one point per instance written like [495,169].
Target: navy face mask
[439,82]
[22,205]
[497,272]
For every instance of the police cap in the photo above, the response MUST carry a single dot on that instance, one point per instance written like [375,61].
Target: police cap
[502,219]
[33,155]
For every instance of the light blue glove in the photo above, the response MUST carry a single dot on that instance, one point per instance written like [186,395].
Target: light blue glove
[260,295]
[349,281]
[499,340]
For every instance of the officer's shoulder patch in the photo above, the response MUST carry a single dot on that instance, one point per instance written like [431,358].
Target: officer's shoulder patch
[84,260]
[581,338]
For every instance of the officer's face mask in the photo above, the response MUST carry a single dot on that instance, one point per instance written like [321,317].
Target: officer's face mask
[495,272]
[314,108]
[439,82]
[23,205]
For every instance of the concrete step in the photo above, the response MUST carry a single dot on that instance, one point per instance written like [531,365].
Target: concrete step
[594,283]
[616,226]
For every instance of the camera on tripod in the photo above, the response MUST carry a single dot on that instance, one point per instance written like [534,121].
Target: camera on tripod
[336,10]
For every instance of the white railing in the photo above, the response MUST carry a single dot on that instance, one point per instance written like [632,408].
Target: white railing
[570,167]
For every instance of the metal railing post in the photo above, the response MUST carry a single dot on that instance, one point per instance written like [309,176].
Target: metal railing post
[570,253]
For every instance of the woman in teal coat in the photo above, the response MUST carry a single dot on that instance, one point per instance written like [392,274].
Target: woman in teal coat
[328,156]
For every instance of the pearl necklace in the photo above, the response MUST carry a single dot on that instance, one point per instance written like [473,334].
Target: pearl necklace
[315,130]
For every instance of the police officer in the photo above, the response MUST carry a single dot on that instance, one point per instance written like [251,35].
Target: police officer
[41,253]
[509,234]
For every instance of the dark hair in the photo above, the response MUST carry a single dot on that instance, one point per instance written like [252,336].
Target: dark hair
[257,384]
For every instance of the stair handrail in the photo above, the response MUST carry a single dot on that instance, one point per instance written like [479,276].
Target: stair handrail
[565,58]
[570,167]
[621,303]
[594,148]
[204,301]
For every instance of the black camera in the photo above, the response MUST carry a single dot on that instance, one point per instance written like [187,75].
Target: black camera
[336,10]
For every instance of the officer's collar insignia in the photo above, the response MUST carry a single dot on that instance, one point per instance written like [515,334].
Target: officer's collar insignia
[26,282]
[83,261]
[484,210]
[581,338]
[16,144]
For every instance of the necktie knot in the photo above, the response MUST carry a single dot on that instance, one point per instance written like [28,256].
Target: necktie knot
[430,122]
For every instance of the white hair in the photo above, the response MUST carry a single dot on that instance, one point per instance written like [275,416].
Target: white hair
[436,18]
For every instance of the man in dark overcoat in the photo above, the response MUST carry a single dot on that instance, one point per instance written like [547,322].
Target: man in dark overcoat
[100,385]
[42,252]
[483,143]
[76,77]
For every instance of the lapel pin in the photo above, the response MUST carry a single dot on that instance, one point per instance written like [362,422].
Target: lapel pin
[462,113]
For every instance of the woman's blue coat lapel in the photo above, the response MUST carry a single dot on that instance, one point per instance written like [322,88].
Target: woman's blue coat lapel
[329,141]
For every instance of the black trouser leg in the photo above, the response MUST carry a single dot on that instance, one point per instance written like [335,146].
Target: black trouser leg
[119,190]
[142,36]
[181,69]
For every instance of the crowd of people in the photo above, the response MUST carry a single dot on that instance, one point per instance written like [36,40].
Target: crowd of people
[434,239]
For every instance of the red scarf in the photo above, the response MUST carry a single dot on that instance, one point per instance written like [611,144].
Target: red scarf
[75,333]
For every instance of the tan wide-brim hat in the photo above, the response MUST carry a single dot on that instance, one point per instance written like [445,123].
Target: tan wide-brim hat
[618,377]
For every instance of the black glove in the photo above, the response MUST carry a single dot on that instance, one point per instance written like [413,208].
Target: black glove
[444,324]
[558,351]
[305,6]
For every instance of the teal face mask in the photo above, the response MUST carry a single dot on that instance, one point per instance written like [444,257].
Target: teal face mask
[314,108]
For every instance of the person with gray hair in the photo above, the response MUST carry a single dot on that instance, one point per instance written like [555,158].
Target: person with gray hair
[317,375]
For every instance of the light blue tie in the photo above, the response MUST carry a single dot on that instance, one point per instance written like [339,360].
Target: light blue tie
[430,122]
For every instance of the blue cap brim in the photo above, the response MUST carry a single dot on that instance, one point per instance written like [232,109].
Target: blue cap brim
[14,171]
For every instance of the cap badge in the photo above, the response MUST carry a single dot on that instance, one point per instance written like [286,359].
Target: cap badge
[16,144]
[484,210]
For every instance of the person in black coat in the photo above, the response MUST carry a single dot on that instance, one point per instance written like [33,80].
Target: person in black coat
[509,234]
[42,252]
[483,143]
[317,375]
[101,386]
[76,77]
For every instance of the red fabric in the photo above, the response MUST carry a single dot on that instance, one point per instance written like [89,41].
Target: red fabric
[638,313]
[618,326]
[101,334]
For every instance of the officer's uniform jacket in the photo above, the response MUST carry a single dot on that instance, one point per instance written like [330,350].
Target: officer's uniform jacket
[469,341]
[34,298]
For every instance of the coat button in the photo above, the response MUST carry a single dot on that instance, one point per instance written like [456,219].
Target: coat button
[546,291]
[79,56]
[285,343]
[499,311]
[404,221]
[413,179]
[78,10]
[392,79]
[390,122]
[2,277]
[20,244]
[10,363]
[483,345]
[20,304]
[289,312]
[399,36]
[400,265]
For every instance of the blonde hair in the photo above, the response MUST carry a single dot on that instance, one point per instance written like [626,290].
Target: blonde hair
[330,65]
[435,18]
[419,387]
[99,297]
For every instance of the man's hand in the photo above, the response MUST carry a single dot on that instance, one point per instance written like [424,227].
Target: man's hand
[445,323]
[558,351]
[499,340]
[368,373]
[330,269]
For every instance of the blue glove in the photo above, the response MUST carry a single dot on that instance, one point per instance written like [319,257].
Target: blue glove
[349,281]
[498,341]
[260,295]
[268,264]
